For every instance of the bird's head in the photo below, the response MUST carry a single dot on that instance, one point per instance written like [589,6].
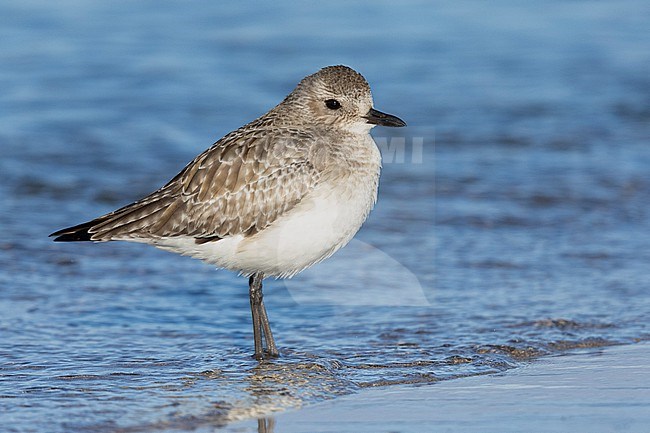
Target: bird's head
[339,96]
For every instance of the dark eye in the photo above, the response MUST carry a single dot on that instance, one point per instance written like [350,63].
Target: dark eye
[333,104]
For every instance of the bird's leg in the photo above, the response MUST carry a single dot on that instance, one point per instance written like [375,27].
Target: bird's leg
[255,295]
[271,350]
[261,323]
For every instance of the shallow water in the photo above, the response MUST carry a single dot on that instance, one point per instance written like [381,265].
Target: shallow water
[520,231]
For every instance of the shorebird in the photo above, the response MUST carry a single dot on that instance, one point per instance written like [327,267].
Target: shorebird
[271,198]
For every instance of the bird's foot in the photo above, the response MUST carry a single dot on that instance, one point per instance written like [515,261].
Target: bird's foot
[266,354]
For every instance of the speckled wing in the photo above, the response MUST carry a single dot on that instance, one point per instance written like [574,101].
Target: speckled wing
[240,185]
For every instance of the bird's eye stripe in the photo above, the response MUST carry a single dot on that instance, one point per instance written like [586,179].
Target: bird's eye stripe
[333,104]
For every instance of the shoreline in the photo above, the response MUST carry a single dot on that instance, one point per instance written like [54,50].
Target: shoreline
[597,390]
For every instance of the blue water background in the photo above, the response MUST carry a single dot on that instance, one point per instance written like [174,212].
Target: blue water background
[525,221]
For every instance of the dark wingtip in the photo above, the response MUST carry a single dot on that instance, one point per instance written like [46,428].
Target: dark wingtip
[78,233]
[72,237]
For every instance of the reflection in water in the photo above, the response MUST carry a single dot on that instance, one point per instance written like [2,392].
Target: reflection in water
[271,386]
[290,381]
[266,425]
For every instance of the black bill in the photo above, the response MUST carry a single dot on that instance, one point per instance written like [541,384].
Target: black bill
[378,118]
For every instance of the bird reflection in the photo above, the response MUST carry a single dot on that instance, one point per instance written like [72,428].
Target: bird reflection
[266,425]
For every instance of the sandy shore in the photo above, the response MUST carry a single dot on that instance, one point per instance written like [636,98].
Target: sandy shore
[605,390]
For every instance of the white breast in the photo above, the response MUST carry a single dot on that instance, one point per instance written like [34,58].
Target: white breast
[311,232]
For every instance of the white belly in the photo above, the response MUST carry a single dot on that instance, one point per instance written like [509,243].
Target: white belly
[313,230]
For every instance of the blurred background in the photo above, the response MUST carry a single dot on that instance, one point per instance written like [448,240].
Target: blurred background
[513,224]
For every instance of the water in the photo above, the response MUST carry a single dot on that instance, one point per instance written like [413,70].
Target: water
[522,230]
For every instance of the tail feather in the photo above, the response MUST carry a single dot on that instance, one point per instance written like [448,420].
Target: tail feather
[132,218]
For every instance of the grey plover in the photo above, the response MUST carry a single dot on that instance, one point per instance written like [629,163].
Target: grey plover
[271,198]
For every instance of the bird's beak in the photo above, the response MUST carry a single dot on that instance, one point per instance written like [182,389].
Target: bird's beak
[376,117]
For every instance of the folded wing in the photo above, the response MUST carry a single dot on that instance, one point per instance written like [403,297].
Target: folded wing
[240,185]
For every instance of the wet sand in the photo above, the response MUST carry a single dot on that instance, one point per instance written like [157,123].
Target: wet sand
[604,390]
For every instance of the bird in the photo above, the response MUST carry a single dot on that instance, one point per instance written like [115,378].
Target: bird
[269,199]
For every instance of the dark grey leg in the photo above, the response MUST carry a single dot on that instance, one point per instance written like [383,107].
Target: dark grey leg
[255,294]
[261,325]
[271,350]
